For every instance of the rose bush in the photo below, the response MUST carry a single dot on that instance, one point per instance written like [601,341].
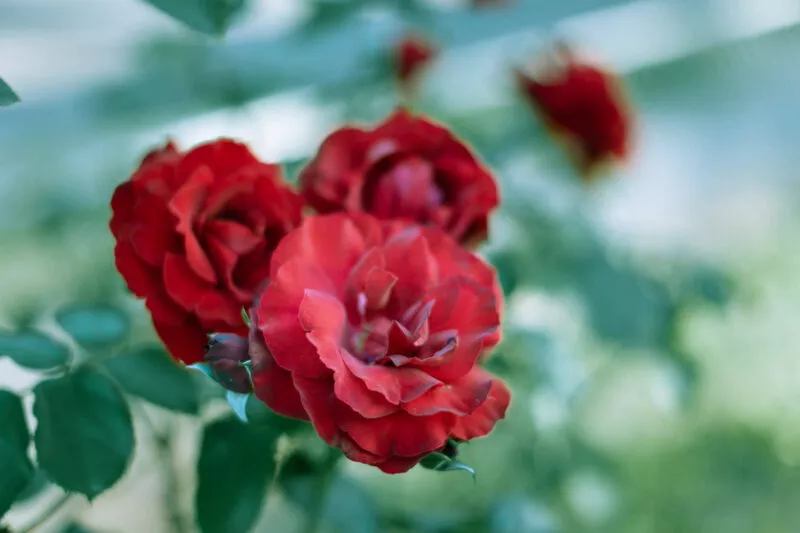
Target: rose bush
[583,104]
[372,330]
[194,235]
[407,167]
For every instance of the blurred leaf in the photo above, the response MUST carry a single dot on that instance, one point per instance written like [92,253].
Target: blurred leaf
[84,438]
[16,470]
[94,327]
[442,463]
[624,305]
[506,263]
[32,349]
[7,94]
[154,376]
[327,14]
[206,16]
[709,285]
[37,484]
[236,464]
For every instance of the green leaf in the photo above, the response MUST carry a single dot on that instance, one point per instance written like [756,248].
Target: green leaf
[212,17]
[16,470]
[237,462]
[152,375]
[84,439]
[442,463]
[32,349]
[35,486]
[625,306]
[245,317]
[94,327]
[7,94]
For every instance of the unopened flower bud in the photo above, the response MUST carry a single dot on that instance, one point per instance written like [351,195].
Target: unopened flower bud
[225,354]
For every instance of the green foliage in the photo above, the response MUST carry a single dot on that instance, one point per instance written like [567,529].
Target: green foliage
[37,484]
[33,349]
[15,466]
[625,306]
[236,464]
[94,326]
[212,17]
[152,375]
[7,94]
[84,437]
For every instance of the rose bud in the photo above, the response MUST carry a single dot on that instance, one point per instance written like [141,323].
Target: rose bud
[412,55]
[405,168]
[583,105]
[225,354]
[194,234]
[374,331]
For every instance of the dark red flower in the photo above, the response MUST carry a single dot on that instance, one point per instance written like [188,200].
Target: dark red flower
[195,232]
[373,331]
[412,54]
[407,168]
[584,105]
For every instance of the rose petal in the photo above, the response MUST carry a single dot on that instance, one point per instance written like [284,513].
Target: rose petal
[139,277]
[333,243]
[410,259]
[395,384]
[287,341]
[182,284]
[322,313]
[185,342]
[272,384]
[347,387]
[399,434]
[484,418]
[239,239]
[461,397]
[319,402]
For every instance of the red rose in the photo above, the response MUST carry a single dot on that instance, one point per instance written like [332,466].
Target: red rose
[407,167]
[373,330]
[412,54]
[195,233]
[584,105]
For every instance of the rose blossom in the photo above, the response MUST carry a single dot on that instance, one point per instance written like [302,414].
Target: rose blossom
[407,167]
[373,331]
[412,54]
[583,104]
[194,234]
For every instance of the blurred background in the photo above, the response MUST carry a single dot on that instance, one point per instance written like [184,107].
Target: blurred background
[650,337]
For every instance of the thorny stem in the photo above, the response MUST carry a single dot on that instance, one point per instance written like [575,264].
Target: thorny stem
[46,515]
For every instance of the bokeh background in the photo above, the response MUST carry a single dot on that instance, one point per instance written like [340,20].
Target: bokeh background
[651,327]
